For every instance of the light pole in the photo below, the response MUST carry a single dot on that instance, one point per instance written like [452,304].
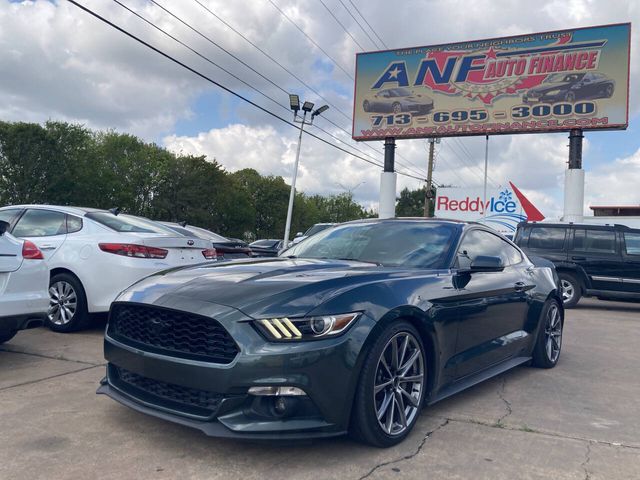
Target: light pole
[307,107]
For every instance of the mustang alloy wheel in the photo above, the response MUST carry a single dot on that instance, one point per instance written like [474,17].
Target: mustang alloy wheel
[392,386]
[549,342]
[399,383]
[553,333]
[67,304]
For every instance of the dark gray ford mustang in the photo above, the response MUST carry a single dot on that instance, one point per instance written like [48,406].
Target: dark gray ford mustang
[353,330]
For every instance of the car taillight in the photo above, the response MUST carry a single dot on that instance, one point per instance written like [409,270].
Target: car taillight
[210,254]
[132,250]
[31,252]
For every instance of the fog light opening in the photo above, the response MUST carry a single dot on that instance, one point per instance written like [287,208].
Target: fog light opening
[284,406]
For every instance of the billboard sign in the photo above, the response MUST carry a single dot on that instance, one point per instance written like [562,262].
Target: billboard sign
[542,82]
[505,207]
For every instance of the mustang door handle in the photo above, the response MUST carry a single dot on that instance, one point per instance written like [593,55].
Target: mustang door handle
[519,286]
[578,258]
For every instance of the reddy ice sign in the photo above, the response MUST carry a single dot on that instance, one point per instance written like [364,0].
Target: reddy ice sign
[529,83]
[503,209]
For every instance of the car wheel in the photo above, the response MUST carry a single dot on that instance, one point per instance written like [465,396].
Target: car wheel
[608,91]
[549,343]
[571,289]
[6,336]
[391,387]
[67,304]
[366,106]
[396,107]
[570,97]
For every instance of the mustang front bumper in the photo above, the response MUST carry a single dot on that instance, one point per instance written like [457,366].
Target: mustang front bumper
[215,399]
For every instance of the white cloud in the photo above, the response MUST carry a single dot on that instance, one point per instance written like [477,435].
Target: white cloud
[615,183]
[57,62]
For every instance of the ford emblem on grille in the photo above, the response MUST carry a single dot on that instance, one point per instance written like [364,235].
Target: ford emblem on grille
[190,242]
[158,324]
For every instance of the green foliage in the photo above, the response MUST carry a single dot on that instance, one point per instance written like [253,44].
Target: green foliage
[64,164]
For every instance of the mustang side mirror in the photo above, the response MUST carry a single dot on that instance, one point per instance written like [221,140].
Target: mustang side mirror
[299,234]
[484,263]
[4,226]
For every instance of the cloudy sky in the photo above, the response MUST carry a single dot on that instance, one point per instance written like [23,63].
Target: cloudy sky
[57,62]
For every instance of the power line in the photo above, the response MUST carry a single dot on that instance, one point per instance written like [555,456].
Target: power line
[465,163]
[226,89]
[230,73]
[311,40]
[464,149]
[273,59]
[341,24]
[365,21]
[375,44]
[415,169]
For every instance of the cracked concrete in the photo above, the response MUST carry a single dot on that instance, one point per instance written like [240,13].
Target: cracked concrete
[506,402]
[409,456]
[579,420]
[587,459]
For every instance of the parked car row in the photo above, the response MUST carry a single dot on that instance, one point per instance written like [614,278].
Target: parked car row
[87,256]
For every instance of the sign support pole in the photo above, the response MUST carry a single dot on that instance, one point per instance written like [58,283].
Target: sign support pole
[574,180]
[387,204]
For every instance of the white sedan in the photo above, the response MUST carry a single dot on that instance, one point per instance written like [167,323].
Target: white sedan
[95,254]
[24,280]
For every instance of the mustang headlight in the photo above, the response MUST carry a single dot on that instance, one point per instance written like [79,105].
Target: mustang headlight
[553,92]
[308,328]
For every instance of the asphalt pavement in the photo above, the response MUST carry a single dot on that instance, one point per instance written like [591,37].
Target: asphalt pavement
[580,420]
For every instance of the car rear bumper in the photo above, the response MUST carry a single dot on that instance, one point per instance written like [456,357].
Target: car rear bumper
[21,322]
[164,385]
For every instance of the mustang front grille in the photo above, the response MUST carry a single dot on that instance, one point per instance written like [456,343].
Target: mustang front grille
[171,332]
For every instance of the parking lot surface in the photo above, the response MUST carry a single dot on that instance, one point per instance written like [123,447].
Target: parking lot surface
[580,420]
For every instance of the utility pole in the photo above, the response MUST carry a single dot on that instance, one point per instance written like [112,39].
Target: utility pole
[428,194]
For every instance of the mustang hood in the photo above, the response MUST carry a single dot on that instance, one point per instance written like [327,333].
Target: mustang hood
[276,286]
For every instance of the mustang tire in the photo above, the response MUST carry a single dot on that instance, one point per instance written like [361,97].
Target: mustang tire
[391,388]
[549,342]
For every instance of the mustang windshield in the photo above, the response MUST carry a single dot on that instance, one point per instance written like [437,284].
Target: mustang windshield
[392,244]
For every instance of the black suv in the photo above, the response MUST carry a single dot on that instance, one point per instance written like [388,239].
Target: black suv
[598,260]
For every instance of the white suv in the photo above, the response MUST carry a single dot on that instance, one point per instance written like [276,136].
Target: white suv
[24,280]
[95,254]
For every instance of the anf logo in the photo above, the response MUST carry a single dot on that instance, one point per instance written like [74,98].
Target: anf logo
[488,73]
